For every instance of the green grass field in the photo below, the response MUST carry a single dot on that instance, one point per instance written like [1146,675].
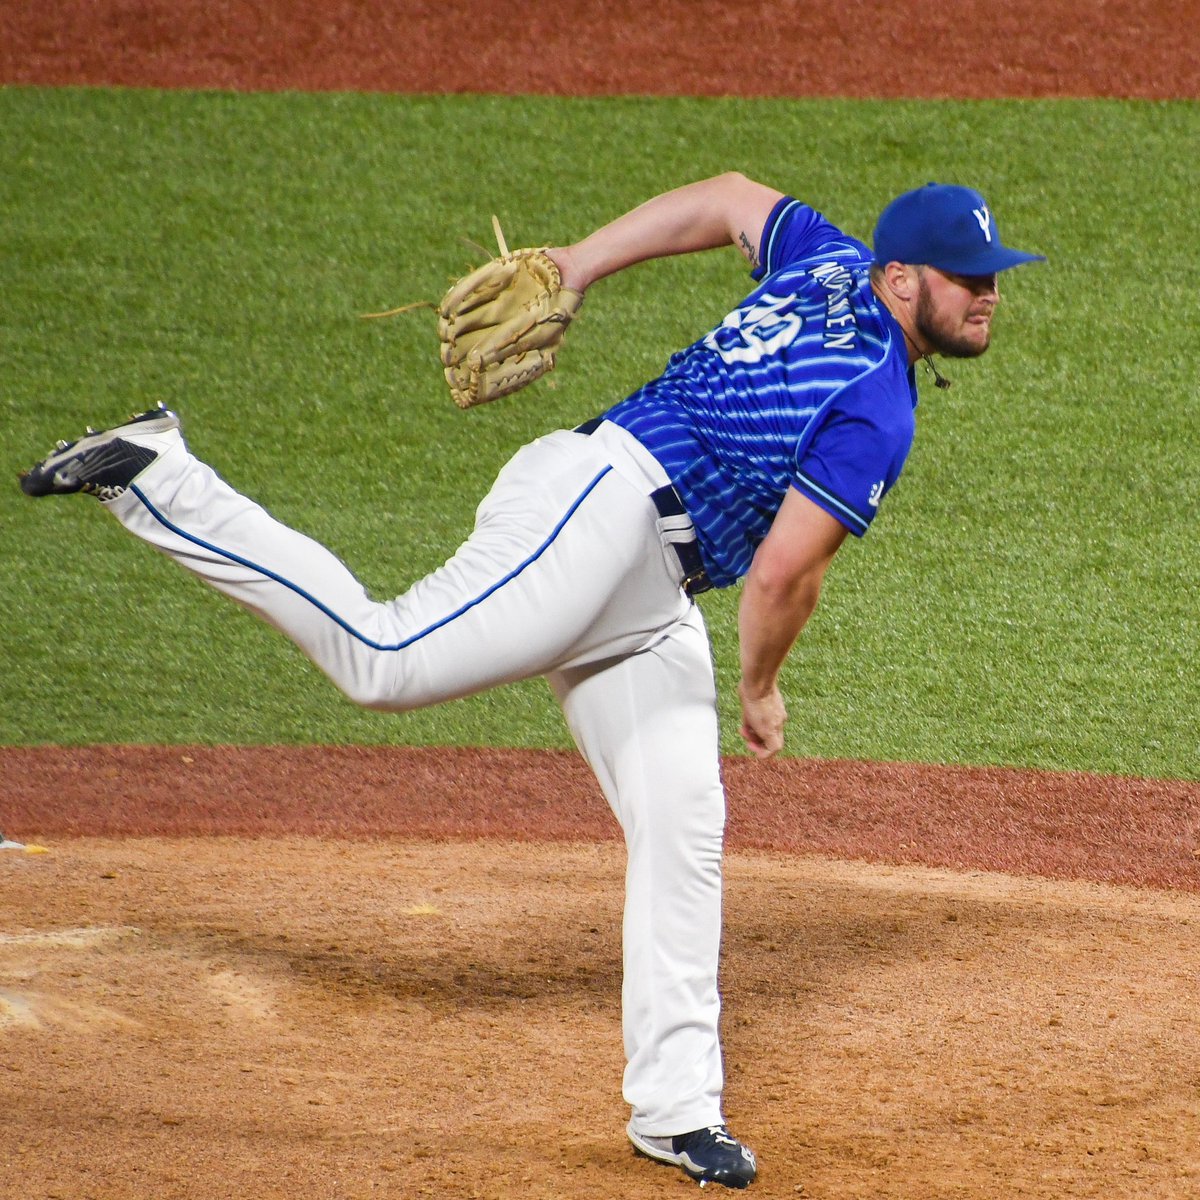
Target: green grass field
[1028,596]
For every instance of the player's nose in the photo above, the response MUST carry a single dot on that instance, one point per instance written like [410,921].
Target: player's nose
[983,287]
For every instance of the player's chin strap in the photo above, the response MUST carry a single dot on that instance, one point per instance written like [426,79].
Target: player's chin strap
[939,380]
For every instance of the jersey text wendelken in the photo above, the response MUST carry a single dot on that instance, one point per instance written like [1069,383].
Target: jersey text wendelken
[838,284]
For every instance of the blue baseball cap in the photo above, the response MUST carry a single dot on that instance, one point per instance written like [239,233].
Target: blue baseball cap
[945,226]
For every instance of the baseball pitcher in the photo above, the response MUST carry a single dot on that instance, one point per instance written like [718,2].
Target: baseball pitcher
[750,458]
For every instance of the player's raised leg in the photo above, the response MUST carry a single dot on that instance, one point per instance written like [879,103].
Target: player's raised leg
[557,536]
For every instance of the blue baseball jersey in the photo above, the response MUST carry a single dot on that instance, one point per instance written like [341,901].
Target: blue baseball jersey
[805,384]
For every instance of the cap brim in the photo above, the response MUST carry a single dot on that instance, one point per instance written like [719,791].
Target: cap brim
[987,262]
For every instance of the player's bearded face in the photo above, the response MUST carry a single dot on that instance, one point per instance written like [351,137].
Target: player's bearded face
[954,312]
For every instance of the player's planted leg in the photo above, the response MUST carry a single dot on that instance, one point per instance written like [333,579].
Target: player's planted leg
[647,726]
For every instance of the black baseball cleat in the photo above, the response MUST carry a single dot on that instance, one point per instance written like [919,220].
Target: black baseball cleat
[710,1155]
[104,463]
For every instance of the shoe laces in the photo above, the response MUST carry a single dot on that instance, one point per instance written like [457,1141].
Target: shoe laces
[103,491]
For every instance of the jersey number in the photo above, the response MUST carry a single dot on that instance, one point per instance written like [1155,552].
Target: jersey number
[750,335]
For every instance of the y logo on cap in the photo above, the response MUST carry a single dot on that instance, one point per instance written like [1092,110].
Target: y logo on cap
[985,221]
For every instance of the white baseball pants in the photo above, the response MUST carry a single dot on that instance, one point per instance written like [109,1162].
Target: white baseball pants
[565,575]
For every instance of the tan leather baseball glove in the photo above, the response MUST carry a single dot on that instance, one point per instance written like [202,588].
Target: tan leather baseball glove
[501,325]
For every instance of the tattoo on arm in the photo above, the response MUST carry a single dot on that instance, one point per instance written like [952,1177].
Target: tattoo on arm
[748,248]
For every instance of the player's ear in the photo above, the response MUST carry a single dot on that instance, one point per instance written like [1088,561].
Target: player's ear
[901,280]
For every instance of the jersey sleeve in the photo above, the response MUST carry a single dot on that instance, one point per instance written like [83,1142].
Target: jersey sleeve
[852,462]
[792,231]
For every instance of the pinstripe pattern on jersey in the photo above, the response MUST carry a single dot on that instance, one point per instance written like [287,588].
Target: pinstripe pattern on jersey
[792,223]
[731,416]
[777,221]
[730,434]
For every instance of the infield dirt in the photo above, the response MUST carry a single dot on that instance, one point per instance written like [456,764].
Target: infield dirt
[217,983]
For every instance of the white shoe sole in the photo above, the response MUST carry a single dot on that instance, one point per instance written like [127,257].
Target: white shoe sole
[652,1147]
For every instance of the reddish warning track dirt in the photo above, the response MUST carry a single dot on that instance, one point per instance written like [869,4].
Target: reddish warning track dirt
[349,972]
[1144,48]
[1061,825]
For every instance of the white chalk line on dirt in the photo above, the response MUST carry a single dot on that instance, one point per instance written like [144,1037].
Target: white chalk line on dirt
[40,1009]
[75,939]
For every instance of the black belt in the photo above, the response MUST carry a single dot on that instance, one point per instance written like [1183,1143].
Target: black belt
[666,499]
